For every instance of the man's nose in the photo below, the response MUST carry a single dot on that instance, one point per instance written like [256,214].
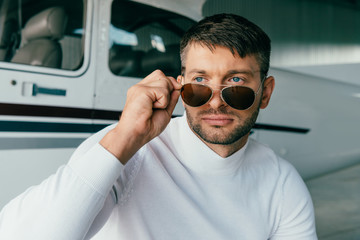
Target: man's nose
[216,100]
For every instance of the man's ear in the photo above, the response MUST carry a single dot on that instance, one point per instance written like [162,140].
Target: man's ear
[179,78]
[268,88]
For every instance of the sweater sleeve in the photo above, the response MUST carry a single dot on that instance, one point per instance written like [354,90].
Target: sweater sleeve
[64,205]
[297,221]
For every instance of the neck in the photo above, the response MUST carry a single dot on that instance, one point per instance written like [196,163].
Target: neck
[227,150]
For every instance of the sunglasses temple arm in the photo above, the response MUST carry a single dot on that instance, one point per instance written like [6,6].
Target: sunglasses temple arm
[261,85]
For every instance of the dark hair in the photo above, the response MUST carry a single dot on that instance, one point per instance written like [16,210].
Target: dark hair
[233,32]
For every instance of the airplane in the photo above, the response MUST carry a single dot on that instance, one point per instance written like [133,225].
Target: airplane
[65,68]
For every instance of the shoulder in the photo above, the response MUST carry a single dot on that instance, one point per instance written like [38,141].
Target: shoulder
[272,170]
[296,213]
[263,155]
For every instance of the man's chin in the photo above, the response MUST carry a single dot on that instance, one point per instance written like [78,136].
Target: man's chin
[221,134]
[217,135]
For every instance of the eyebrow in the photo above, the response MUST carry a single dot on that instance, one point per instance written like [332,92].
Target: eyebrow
[230,72]
[246,72]
[195,71]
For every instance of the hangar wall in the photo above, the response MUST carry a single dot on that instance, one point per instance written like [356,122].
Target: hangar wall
[303,32]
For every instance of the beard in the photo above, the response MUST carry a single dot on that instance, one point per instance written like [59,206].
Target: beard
[220,135]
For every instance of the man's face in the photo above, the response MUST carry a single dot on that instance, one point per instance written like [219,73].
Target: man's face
[216,122]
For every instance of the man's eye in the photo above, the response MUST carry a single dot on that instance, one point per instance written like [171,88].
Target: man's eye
[236,79]
[199,79]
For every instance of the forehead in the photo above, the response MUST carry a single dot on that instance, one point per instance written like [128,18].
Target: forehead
[217,59]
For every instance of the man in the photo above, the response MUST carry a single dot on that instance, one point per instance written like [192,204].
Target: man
[199,177]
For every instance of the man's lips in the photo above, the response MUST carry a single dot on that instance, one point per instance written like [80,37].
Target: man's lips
[217,120]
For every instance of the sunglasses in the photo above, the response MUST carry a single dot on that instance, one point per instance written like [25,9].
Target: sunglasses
[238,97]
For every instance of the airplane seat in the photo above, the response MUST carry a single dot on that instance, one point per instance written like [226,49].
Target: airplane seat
[9,40]
[9,29]
[168,61]
[40,39]
[124,61]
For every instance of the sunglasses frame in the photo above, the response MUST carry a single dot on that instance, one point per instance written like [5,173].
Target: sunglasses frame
[221,92]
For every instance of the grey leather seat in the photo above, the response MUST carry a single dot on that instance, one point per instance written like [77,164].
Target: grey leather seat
[9,30]
[9,39]
[40,46]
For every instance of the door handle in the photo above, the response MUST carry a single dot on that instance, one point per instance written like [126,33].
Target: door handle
[50,91]
[32,89]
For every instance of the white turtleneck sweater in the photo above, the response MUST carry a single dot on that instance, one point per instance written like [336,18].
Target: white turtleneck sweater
[175,187]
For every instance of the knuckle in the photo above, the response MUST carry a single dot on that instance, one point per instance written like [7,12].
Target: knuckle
[159,73]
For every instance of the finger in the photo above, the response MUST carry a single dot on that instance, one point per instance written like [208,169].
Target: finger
[173,101]
[161,98]
[176,84]
[153,77]
[163,91]
[159,81]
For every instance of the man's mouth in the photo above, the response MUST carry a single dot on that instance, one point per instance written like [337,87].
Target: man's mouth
[217,120]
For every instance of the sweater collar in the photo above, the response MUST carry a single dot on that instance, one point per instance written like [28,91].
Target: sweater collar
[197,156]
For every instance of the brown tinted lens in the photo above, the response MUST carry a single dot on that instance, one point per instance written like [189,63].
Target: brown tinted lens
[195,95]
[238,97]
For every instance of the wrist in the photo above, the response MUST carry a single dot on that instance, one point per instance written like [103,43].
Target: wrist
[120,144]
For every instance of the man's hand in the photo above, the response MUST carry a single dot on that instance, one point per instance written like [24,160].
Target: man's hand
[148,110]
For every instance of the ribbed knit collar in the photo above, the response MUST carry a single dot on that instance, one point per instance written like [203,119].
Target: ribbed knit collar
[197,156]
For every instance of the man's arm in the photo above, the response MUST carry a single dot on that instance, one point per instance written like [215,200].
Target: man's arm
[65,205]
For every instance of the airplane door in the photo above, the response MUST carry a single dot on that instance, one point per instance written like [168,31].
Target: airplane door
[47,71]
[46,87]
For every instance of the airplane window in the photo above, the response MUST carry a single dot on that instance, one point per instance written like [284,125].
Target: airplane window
[144,38]
[47,33]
